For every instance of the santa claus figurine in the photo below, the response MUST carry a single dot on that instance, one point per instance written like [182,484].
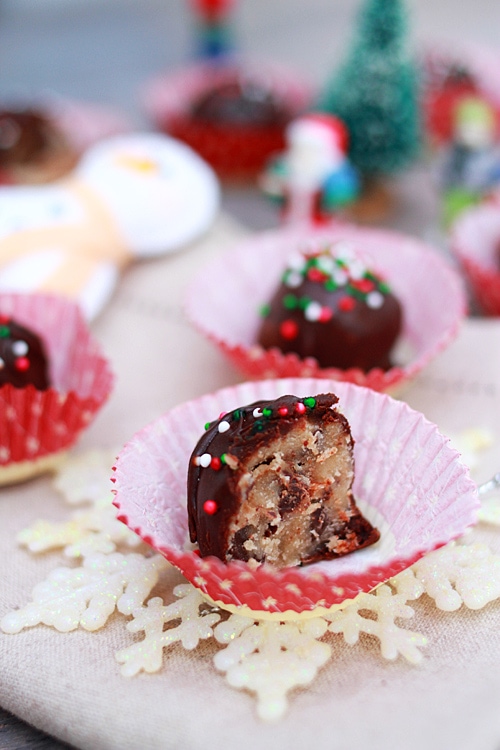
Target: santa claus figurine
[313,179]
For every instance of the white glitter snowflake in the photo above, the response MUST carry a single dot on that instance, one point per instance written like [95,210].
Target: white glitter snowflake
[387,607]
[95,528]
[195,621]
[267,658]
[460,574]
[270,658]
[86,596]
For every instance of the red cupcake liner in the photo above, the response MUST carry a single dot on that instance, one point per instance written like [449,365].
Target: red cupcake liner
[224,299]
[38,425]
[233,151]
[409,482]
[475,240]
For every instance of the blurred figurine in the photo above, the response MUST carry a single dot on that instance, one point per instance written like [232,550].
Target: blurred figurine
[214,32]
[313,179]
[470,169]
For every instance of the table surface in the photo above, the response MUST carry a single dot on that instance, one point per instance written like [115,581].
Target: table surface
[103,51]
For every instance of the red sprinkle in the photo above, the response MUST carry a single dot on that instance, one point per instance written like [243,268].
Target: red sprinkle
[289,329]
[300,407]
[4,319]
[326,314]
[314,274]
[346,304]
[210,507]
[364,285]
[283,411]
[215,463]
[22,364]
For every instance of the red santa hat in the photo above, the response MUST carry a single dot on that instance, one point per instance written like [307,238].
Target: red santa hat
[321,128]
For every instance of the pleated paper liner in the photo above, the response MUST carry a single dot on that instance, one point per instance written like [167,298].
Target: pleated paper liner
[475,241]
[38,427]
[224,299]
[234,151]
[409,483]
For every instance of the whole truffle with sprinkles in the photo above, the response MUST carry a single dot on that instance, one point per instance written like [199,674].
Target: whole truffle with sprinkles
[23,360]
[331,306]
[271,482]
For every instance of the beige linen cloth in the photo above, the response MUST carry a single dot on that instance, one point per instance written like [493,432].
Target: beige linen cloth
[70,684]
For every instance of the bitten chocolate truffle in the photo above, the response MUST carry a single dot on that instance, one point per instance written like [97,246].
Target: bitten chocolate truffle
[240,103]
[23,360]
[271,482]
[330,306]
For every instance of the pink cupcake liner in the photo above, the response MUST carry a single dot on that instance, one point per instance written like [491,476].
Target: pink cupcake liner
[475,241]
[224,299]
[86,123]
[37,425]
[233,151]
[409,483]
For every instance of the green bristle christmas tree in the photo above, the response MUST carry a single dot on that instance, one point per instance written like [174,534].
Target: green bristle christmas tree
[375,91]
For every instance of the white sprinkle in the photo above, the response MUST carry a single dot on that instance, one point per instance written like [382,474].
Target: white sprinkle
[326,263]
[205,460]
[340,277]
[293,279]
[20,348]
[343,251]
[357,270]
[313,311]
[296,262]
[224,426]
[374,300]
[257,413]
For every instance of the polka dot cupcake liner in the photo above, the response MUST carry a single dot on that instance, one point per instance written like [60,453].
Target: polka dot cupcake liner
[224,299]
[239,152]
[409,482]
[38,427]
[475,241]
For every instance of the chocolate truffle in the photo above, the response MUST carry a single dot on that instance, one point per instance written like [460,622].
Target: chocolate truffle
[24,136]
[330,306]
[271,482]
[240,103]
[22,356]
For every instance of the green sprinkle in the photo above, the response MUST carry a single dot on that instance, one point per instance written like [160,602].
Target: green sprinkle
[4,331]
[330,285]
[267,412]
[383,287]
[207,425]
[223,458]
[290,301]
[264,310]
[310,402]
[304,302]
[236,414]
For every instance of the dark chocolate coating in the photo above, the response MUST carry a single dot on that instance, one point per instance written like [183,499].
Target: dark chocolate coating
[245,436]
[24,136]
[361,337]
[240,104]
[22,357]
